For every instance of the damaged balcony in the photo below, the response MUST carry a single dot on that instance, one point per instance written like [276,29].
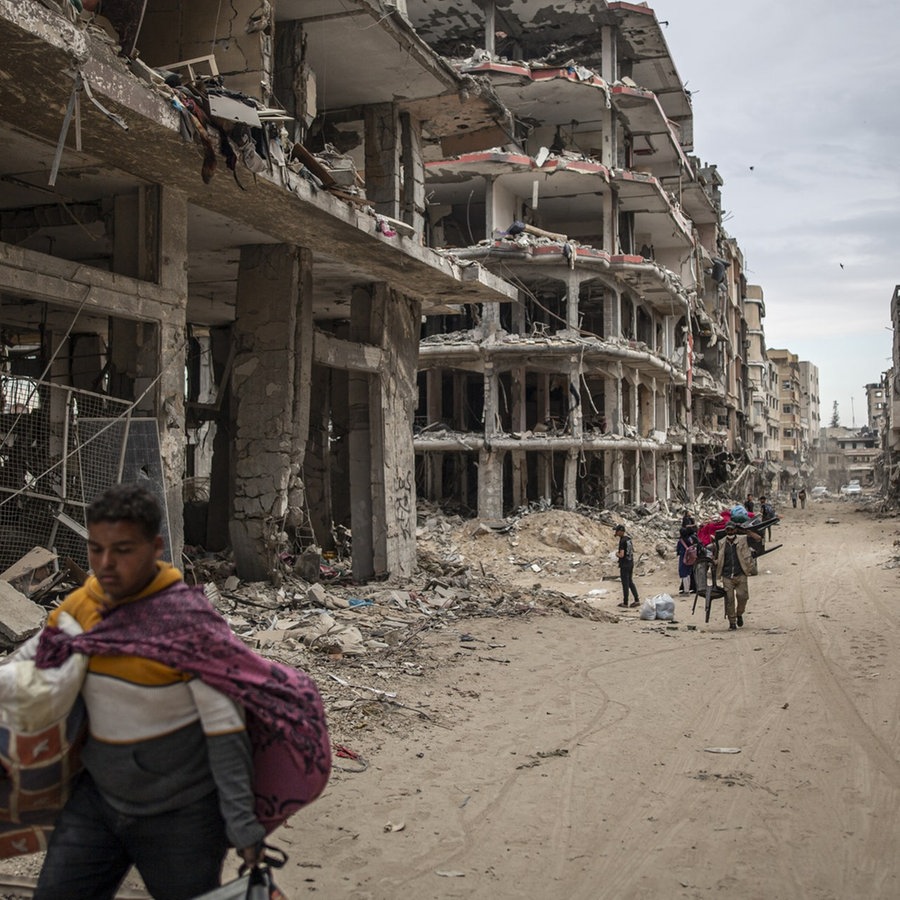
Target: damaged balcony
[549,95]
[564,188]
[289,207]
[646,59]
[655,141]
[556,32]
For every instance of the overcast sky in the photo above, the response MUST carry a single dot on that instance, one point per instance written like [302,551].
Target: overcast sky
[806,93]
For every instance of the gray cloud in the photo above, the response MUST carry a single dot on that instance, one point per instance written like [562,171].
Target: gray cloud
[805,93]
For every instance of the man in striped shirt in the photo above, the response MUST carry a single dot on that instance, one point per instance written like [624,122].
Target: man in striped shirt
[167,781]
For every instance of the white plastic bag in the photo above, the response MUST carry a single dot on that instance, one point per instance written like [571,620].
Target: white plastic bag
[648,610]
[664,607]
[32,699]
[42,722]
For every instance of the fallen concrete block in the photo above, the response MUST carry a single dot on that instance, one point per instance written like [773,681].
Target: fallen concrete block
[19,617]
[29,572]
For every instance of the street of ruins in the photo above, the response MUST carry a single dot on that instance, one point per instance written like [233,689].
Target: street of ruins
[502,731]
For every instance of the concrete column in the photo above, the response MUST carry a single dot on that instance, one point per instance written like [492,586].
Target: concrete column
[573,282]
[663,479]
[519,318]
[490,484]
[661,407]
[220,475]
[576,404]
[295,85]
[490,26]
[398,322]
[570,487]
[173,215]
[383,145]
[490,413]
[461,476]
[302,375]
[543,398]
[610,222]
[519,424]
[317,468]
[612,399]
[133,355]
[340,453]
[608,145]
[646,409]
[360,444]
[629,398]
[58,412]
[434,462]
[265,377]
[612,312]
[648,476]
[617,476]
[136,233]
[460,420]
[413,174]
[489,223]
[490,319]
[545,475]
[490,464]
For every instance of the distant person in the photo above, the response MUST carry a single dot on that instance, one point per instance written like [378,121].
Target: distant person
[749,505]
[802,498]
[687,549]
[625,554]
[734,563]
[768,513]
[794,496]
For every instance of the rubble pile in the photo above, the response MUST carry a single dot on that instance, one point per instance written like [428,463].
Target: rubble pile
[368,645]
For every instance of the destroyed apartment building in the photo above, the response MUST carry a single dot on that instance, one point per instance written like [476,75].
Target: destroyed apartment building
[200,290]
[295,264]
[621,375]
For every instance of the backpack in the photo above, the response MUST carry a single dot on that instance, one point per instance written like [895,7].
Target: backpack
[690,555]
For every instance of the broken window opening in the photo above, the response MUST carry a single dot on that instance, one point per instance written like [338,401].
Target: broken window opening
[591,298]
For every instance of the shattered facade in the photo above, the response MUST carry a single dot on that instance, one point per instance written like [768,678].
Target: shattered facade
[621,374]
[298,263]
[210,222]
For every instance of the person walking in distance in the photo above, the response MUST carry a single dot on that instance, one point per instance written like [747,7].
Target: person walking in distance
[768,513]
[625,554]
[733,564]
[802,497]
[686,548]
[794,497]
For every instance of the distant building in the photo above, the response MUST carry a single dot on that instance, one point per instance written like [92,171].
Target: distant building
[891,470]
[794,429]
[848,454]
[876,406]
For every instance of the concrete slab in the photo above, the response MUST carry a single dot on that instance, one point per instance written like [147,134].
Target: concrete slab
[19,617]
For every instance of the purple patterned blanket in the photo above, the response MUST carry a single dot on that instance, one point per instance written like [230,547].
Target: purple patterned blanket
[285,716]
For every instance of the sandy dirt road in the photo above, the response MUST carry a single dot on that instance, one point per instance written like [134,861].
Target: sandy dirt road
[570,759]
